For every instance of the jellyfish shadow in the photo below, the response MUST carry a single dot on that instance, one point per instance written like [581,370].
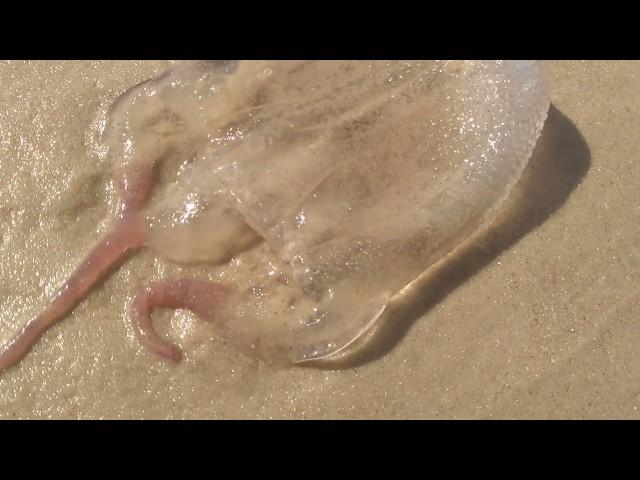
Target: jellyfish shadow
[559,162]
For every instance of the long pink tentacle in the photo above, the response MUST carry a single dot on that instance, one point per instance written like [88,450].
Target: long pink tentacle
[199,296]
[134,183]
[127,235]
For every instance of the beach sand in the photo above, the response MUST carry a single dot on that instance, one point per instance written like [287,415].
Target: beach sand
[536,317]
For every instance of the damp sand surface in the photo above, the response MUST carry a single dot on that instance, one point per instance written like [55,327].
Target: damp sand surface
[535,318]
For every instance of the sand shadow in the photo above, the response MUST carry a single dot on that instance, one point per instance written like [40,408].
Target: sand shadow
[559,162]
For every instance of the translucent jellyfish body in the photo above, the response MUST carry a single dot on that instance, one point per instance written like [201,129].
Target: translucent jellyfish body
[317,190]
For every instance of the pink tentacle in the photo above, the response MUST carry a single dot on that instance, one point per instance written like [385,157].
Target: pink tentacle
[134,184]
[198,296]
[126,236]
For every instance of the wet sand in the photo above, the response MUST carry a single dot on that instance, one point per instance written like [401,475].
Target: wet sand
[534,318]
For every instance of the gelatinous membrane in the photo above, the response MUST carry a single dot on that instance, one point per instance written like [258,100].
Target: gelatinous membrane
[320,189]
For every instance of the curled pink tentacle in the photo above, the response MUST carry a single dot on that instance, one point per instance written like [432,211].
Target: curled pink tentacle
[128,234]
[198,296]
